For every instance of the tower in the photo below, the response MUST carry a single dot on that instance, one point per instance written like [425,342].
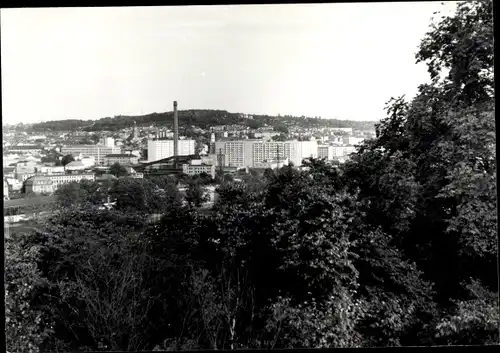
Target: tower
[220,160]
[136,130]
[176,134]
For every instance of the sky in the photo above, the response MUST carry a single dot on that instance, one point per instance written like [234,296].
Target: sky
[342,61]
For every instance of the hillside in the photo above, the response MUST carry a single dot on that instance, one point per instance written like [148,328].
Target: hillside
[200,118]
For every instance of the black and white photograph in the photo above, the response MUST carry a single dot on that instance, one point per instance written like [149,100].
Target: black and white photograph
[249,177]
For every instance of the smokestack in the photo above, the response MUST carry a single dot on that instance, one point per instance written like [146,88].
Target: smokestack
[176,133]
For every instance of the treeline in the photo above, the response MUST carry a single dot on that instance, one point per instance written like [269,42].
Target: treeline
[396,247]
[200,118]
[60,125]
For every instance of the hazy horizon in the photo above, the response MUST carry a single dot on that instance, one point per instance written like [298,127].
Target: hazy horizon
[295,59]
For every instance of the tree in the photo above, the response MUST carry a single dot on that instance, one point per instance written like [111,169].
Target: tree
[95,138]
[462,45]
[144,154]
[428,179]
[26,326]
[67,159]
[130,195]
[280,137]
[473,321]
[281,128]
[80,193]
[118,170]
[195,194]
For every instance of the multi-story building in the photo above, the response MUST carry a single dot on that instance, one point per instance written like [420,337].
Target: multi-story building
[248,153]
[325,152]
[39,184]
[25,168]
[351,140]
[196,166]
[160,149]
[343,151]
[121,158]
[96,151]
[59,179]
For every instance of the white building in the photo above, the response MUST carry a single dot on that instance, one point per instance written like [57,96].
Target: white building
[160,149]
[39,184]
[326,152]
[5,190]
[59,179]
[109,142]
[96,151]
[15,184]
[51,169]
[75,166]
[351,140]
[196,166]
[249,153]
[88,161]
[343,151]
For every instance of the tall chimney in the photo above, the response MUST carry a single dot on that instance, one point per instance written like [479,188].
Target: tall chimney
[176,133]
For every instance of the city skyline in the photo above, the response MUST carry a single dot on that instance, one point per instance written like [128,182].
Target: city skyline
[311,59]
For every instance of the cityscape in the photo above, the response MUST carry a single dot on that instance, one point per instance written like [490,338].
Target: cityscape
[206,229]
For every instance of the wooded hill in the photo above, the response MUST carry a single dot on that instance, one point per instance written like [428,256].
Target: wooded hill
[201,118]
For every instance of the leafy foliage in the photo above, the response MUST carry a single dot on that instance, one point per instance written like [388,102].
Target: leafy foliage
[67,159]
[118,170]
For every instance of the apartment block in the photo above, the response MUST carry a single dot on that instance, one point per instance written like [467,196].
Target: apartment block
[249,153]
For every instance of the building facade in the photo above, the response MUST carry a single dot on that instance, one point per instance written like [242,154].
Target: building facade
[52,169]
[325,152]
[96,151]
[249,153]
[59,179]
[159,149]
[196,166]
[343,151]
[351,140]
[39,184]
